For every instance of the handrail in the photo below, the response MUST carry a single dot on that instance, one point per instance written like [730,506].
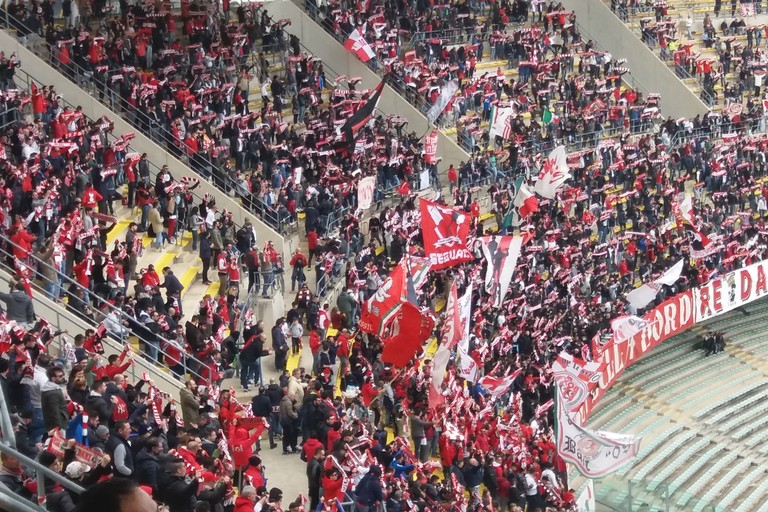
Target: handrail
[254,204]
[65,482]
[186,358]
[166,137]
[15,502]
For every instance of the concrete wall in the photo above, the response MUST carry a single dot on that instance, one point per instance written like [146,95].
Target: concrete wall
[92,108]
[340,61]
[596,19]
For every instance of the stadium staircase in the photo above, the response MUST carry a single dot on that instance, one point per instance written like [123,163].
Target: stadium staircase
[703,446]
[677,12]
[178,255]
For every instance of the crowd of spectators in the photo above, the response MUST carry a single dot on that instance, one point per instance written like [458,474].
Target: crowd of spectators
[732,76]
[612,227]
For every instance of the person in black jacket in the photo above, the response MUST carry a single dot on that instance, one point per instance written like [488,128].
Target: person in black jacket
[147,467]
[13,477]
[52,399]
[96,405]
[175,491]
[279,345]
[250,359]
[315,477]
[24,443]
[119,449]
[205,255]
[56,498]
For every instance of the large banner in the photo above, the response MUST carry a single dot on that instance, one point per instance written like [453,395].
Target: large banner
[730,291]
[501,253]
[669,318]
[445,232]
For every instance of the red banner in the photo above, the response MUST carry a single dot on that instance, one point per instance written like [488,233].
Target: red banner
[88,456]
[445,232]
[668,319]
[430,147]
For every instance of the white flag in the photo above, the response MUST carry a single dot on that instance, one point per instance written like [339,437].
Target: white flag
[501,253]
[467,365]
[575,378]
[365,190]
[554,173]
[643,295]
[594,453]
[499,121]
[442,101]
[624,327]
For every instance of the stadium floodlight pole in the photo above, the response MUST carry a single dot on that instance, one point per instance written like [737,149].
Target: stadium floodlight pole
[6,426]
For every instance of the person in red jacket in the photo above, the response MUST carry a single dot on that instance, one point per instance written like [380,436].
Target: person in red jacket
[448,453]
[22,243]
[254,473]
[311,246]
[315,342]
[247,499]
[332,483]
[241,442]
[310,446]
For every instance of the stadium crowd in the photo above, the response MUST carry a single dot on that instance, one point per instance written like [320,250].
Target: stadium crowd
[371,441]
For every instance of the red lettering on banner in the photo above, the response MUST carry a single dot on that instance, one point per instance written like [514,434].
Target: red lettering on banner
[717,298]
[761,287]
[671,317]
[746,283]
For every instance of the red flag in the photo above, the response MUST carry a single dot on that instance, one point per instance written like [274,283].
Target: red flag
[410,329]
[380,309]
[445,232]
[357,44]
[404,189]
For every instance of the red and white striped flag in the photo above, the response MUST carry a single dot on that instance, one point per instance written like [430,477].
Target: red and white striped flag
[357,44]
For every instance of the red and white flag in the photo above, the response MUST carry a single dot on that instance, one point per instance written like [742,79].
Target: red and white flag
[497,386]
[445,232]
[357,44]
[430,147]
[554,173]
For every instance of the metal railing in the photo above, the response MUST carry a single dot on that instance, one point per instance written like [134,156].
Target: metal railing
[161,135]
[189,362]
[140,120]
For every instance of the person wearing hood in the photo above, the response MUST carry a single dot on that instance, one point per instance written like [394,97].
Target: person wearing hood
[254,473]
[19,306]
[53,401]
[147,468]
[241,442]
[401,468]
[275,395]
[368,491]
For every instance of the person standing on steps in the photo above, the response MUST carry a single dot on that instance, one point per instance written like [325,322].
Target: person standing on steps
[279,345]
[288,419]
[250,359]
[222,268]
[206,253]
